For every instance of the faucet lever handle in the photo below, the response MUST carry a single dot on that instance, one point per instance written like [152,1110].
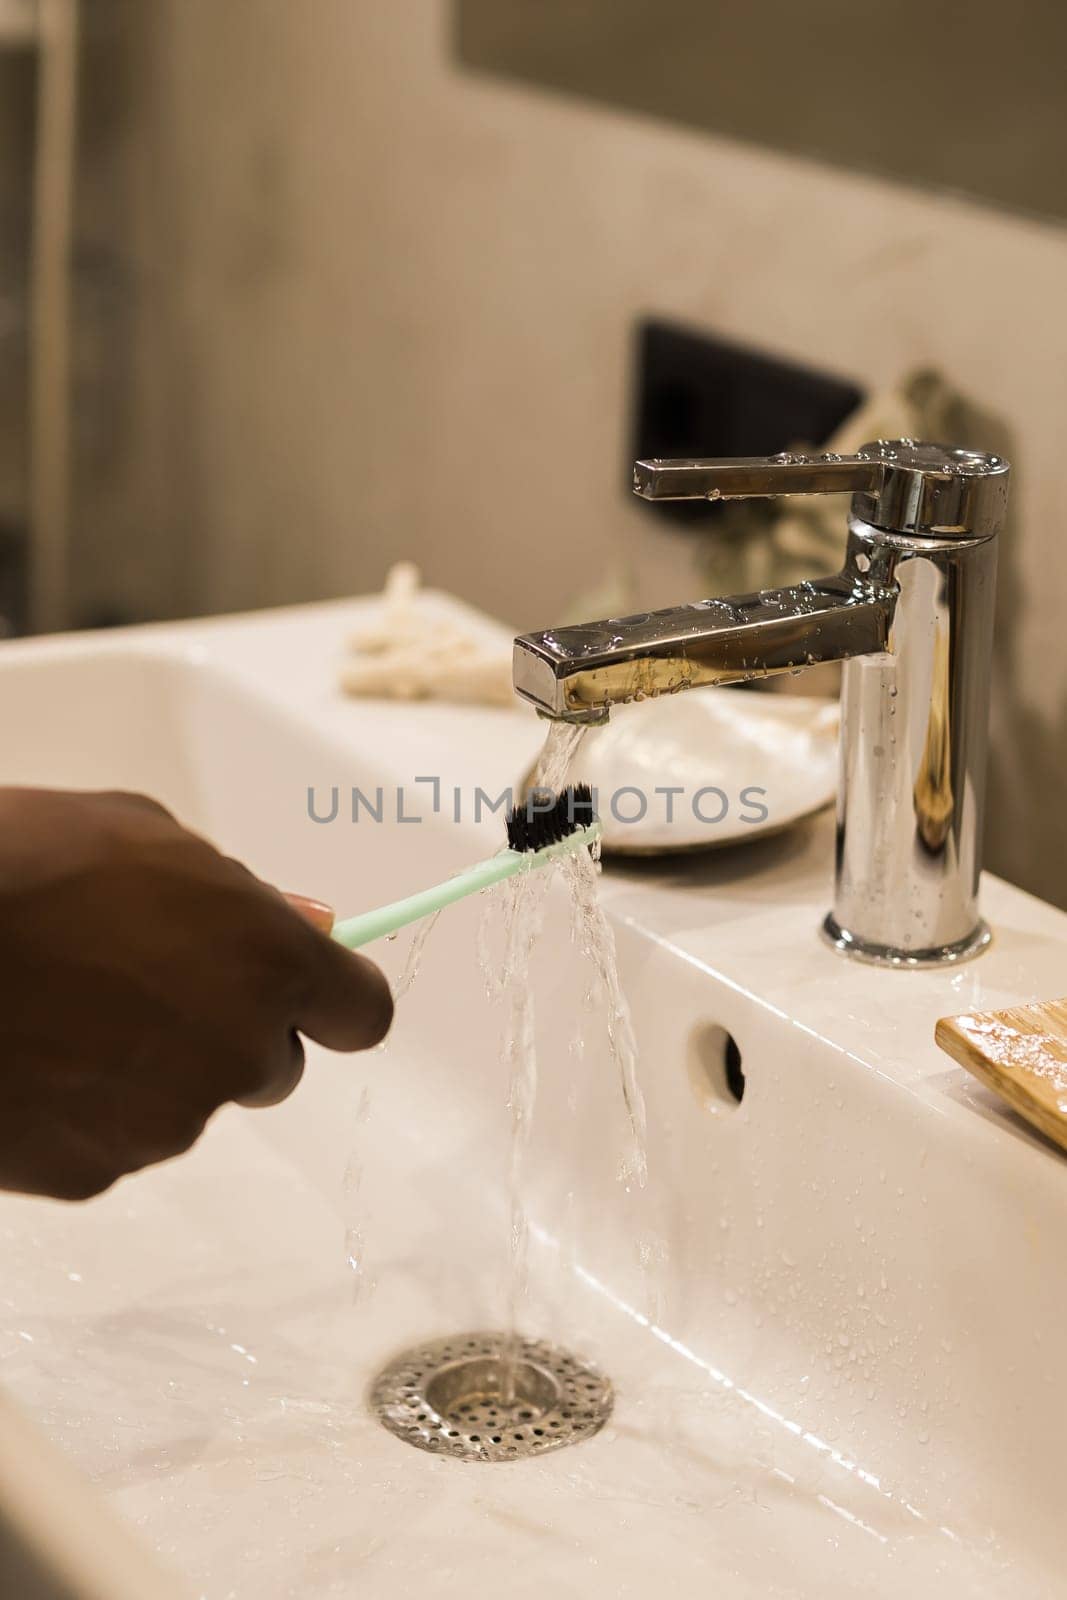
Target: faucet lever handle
[746,477]
[899,485]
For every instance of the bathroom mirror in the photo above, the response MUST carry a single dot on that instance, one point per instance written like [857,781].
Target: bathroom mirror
[967,98]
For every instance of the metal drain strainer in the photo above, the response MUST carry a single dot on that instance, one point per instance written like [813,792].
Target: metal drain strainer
[448,1397]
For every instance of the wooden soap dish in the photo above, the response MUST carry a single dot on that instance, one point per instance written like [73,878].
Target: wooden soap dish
[1022,1054]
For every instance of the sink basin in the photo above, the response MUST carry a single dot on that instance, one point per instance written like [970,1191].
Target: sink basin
[832,1320]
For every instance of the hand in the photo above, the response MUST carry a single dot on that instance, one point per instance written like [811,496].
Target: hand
[145,980]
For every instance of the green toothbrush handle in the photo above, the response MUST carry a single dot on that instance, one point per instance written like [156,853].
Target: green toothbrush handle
[354,932]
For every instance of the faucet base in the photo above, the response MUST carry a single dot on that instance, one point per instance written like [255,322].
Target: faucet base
[876,955]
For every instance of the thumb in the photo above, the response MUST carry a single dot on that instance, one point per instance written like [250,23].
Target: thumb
[317,912]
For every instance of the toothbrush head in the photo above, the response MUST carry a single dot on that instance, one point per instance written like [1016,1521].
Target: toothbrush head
[545,818]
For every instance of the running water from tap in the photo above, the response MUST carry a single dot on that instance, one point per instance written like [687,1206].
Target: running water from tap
[413,959]
[355,1212]
[518,907]
[592,932]
[355,1218]
[507,933]
[562,743]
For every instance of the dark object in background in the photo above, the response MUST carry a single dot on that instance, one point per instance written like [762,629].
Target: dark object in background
[697,395]
[14,547]
[965,99]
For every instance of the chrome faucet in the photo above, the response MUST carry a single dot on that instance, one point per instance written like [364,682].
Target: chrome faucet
[911,616]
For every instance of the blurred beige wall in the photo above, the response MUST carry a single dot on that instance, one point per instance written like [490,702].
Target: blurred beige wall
[368,306]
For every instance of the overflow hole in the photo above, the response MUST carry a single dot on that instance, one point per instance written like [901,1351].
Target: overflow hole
[716,1073]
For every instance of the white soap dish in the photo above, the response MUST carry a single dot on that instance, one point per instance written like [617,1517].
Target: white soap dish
[717,768]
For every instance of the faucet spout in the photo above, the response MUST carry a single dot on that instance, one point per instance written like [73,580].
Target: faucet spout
[579,673]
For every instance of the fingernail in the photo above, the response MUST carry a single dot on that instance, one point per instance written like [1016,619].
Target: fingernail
[317,912]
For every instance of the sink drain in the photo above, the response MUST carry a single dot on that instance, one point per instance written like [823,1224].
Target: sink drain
[448,1397]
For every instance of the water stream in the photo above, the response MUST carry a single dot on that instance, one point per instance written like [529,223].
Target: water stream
[518,907]
[562,743]
[509,927]
[413,959]
[355,1211]
[593,933]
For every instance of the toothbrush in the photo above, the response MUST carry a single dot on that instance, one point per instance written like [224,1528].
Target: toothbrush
[535,837]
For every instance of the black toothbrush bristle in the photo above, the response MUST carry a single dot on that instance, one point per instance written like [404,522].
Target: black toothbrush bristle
[545,818]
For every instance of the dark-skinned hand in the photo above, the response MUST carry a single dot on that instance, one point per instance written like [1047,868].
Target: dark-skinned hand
[146,980]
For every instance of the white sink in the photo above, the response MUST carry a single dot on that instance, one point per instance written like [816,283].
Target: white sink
[833,1319]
